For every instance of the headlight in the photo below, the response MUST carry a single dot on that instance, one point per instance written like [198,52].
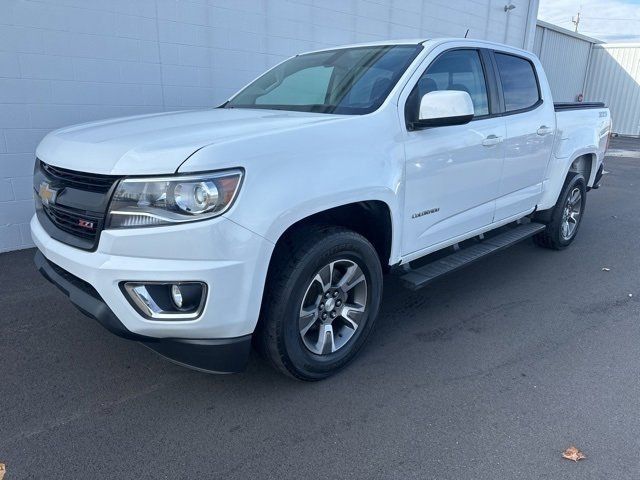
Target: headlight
[142,202]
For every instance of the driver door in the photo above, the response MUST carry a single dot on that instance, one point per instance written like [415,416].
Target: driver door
[453,172]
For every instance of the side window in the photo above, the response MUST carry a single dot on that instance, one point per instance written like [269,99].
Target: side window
[304,87]
[457,70]
[519,83]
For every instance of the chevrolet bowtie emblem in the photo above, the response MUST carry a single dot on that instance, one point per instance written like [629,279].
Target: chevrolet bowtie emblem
[47,194]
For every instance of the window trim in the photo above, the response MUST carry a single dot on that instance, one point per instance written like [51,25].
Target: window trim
[492,88]
[498,81]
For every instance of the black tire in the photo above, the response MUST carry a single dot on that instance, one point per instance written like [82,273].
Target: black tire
[552,237]
[296,263]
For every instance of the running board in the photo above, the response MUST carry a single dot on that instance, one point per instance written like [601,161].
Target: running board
[419,277]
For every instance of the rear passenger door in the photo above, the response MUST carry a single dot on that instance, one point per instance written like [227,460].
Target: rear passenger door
[530,127]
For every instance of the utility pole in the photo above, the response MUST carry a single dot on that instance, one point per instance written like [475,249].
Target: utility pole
[576,21]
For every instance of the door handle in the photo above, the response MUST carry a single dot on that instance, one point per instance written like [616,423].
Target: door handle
[544,130]
[491,140]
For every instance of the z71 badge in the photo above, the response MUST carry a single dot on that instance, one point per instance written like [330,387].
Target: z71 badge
[85,224]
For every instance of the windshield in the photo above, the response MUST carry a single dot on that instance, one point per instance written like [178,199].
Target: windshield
[348,81]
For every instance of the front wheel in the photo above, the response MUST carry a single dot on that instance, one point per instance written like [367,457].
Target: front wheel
[566,216]
[322,297]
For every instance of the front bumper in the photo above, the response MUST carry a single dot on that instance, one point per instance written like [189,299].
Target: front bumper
[230,259]
[226,355]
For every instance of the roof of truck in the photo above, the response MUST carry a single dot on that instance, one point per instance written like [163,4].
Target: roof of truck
[381,43]
[418,41]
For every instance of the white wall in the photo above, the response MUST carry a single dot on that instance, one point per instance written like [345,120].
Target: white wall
[69,61]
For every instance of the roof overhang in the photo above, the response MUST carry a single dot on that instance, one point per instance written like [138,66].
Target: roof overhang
[569,33]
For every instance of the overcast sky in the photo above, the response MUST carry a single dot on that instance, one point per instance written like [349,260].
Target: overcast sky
[608,20]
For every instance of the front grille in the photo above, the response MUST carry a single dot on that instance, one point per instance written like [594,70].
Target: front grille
[76,212]
[76,222]
[91,182]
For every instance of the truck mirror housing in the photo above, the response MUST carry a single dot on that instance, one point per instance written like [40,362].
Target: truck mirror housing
[444,107]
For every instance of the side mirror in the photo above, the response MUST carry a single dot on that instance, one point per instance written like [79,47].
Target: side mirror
[444,107]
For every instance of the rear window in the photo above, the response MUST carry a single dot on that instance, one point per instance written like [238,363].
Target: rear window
[519,82]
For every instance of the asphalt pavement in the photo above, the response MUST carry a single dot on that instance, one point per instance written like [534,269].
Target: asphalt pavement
[486,374]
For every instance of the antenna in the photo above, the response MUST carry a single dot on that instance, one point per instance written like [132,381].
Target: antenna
[466,33]
[576,21]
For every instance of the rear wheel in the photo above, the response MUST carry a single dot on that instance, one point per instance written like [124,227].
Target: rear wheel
[322,298]
[566,215]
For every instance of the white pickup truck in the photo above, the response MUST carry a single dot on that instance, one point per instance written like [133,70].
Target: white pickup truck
[270,220]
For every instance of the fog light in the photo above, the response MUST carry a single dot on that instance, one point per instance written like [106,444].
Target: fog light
[166,301]
[176,295]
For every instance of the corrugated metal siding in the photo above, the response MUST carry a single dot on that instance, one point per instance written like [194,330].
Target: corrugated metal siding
[537,41]
[614,78]
[565,60]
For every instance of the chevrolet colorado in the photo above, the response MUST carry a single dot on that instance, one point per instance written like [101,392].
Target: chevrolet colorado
[271,219]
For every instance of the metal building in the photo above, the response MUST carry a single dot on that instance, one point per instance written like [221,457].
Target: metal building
[565,56]
[614,78]
[581,67]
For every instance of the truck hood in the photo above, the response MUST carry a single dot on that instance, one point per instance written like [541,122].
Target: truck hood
[159,143]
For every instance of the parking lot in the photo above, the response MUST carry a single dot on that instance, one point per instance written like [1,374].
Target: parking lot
[488,373]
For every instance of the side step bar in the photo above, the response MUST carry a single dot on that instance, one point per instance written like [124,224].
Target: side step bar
[419,277]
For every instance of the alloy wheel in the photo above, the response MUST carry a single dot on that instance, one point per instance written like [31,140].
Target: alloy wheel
[571,214]
[333,307]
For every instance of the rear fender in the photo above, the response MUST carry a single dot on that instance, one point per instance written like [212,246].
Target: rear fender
[557,173]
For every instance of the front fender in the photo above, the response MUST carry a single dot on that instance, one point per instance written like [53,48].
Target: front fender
[292,174]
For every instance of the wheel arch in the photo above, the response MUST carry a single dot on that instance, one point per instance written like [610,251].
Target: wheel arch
[584,164]
[558,217]
[559,168]
[370,218]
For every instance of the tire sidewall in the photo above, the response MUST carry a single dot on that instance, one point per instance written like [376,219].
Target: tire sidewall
[339,246]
